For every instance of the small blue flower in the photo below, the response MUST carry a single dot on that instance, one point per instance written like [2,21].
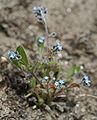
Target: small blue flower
[45,79]
[41,40]
[14,55]
[57,47]
[86,81]
[61,82]
[36,10]
[40,12]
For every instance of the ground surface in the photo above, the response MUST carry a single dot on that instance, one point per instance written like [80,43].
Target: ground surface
[75,21]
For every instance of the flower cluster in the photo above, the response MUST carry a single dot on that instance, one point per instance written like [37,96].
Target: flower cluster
[14,55]
[57,47]
[59,84]
[40,13]
[86,80]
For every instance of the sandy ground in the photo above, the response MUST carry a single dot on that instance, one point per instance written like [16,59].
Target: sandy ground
[75,22]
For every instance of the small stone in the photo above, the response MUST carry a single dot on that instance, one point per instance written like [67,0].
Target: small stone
[81,67]
[3,59]
[47,108]
[66,62]
[83,110]
[68,10]
[59,108]
[77,105]
[30,27]
[34,107]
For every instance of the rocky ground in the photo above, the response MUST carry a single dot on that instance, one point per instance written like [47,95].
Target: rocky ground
[75,22]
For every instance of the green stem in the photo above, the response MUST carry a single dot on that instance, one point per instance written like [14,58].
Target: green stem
[30,70]
[37,80]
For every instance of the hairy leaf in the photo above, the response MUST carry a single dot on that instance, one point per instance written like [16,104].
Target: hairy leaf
[24,58]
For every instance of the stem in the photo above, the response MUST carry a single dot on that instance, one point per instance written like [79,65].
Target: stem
[46,26]
[45,23]
[58,93]
[37,80]
[41,52]
[34,76]
[80,95]
[87,95]
[53,95]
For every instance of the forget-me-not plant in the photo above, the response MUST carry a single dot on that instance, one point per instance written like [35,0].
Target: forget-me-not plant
[44,85]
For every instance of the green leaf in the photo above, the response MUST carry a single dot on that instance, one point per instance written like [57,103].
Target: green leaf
[52,63]
[33,83]
[40,100]
[77,69]
[16,63]
[22,52]
[73,70]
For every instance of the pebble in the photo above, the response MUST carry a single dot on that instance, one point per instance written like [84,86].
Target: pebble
[68,10]
[83,110]
[34,107]
[66,62]
[3,59]
[60,108]
[81,67]
[47,108]
[77,105]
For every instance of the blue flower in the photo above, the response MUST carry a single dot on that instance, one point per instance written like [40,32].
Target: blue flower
[45,79]
[36,10]
[14,55]
[86,80]
[40,12]
[57,47]
[59,84]
[41,40]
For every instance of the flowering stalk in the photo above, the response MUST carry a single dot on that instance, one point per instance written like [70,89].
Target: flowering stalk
[40,13]
[45,23]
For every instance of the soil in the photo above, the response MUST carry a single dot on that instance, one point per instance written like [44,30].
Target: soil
[75,22]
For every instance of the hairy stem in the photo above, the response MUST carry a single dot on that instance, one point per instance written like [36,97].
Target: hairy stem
[45,23]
